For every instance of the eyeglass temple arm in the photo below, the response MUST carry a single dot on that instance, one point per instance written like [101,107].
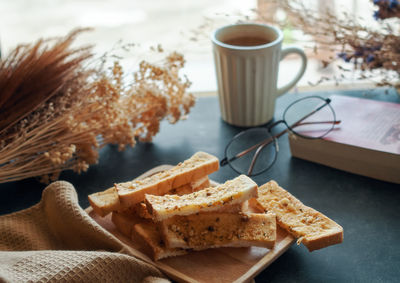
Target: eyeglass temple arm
[269,128]
[225,160]
[327,101]
[264,143]
[259,149]
[336,122]
[274,138]
[296,124]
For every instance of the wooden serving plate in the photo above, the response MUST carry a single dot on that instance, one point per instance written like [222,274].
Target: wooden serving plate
[213,265]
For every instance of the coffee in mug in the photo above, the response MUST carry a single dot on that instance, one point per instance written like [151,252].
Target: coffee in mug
[247,60]
[247,41]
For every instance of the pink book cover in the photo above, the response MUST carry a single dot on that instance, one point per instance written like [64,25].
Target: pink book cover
[366,123]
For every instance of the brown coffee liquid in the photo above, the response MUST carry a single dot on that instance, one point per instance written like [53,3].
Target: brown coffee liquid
[247,41]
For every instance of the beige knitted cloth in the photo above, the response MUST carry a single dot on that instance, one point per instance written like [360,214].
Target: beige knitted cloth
[56,240]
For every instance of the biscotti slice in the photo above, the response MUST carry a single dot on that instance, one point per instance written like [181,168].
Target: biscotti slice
[105,202]
[311,227]
[200,184]
[125,220]
[232,192]
[196,174]
[213,230]
[141,210]
[252,206]
[147,235]
[199,165]
[194,186]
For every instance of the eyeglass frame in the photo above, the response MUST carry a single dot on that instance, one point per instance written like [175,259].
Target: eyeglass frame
[274,138]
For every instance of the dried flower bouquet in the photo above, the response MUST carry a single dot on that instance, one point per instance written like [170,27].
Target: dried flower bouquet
[59,105]
[373,51]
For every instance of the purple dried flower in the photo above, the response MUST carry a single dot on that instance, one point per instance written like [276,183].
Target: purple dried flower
[358,53]
[344,56]
[373,49]
[370,58]
[393,4]
[386,9]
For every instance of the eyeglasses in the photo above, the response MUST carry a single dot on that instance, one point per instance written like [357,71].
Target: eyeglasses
[254,151]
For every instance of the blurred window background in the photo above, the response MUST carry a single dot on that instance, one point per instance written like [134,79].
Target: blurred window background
[173,24]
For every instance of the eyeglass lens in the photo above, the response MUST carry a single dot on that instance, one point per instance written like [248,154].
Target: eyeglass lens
[302,119]
[244,141]
[316,125]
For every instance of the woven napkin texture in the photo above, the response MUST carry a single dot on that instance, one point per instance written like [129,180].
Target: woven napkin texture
[56,240]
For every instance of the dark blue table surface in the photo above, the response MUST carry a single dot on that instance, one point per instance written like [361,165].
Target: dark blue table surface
[368,209]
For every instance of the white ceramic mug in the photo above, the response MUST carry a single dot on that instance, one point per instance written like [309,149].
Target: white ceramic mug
[247,58]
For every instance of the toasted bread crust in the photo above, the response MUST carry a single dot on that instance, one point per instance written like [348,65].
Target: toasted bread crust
[145,233]
[193,171]
[200,184]
[191,187]
[311,227]
[141,208]
[211,230]
[252,206]
[125,220]
[105,202]
[198,166]
[232,192]
[322,241]
[149,238]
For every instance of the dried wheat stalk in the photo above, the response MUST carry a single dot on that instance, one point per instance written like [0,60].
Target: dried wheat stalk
[57,109]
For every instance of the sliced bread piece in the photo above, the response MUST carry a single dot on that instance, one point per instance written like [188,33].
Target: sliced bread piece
[232,192]
[311,227]
[200,184]
[105,202]
[191,187]
[125,220]
[148,237]
[252,206]
[194,170]
[199,165]
[141,208]
[213,230]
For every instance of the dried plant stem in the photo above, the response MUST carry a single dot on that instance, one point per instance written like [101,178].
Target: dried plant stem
[348,38]
[82,110]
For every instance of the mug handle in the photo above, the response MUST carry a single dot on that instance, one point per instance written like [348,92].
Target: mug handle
[286,51]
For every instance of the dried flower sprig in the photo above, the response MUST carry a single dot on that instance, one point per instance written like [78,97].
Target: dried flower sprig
[387,9]
[67,107]
[375,52]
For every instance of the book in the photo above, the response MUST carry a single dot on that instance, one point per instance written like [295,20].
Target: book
[366,142]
